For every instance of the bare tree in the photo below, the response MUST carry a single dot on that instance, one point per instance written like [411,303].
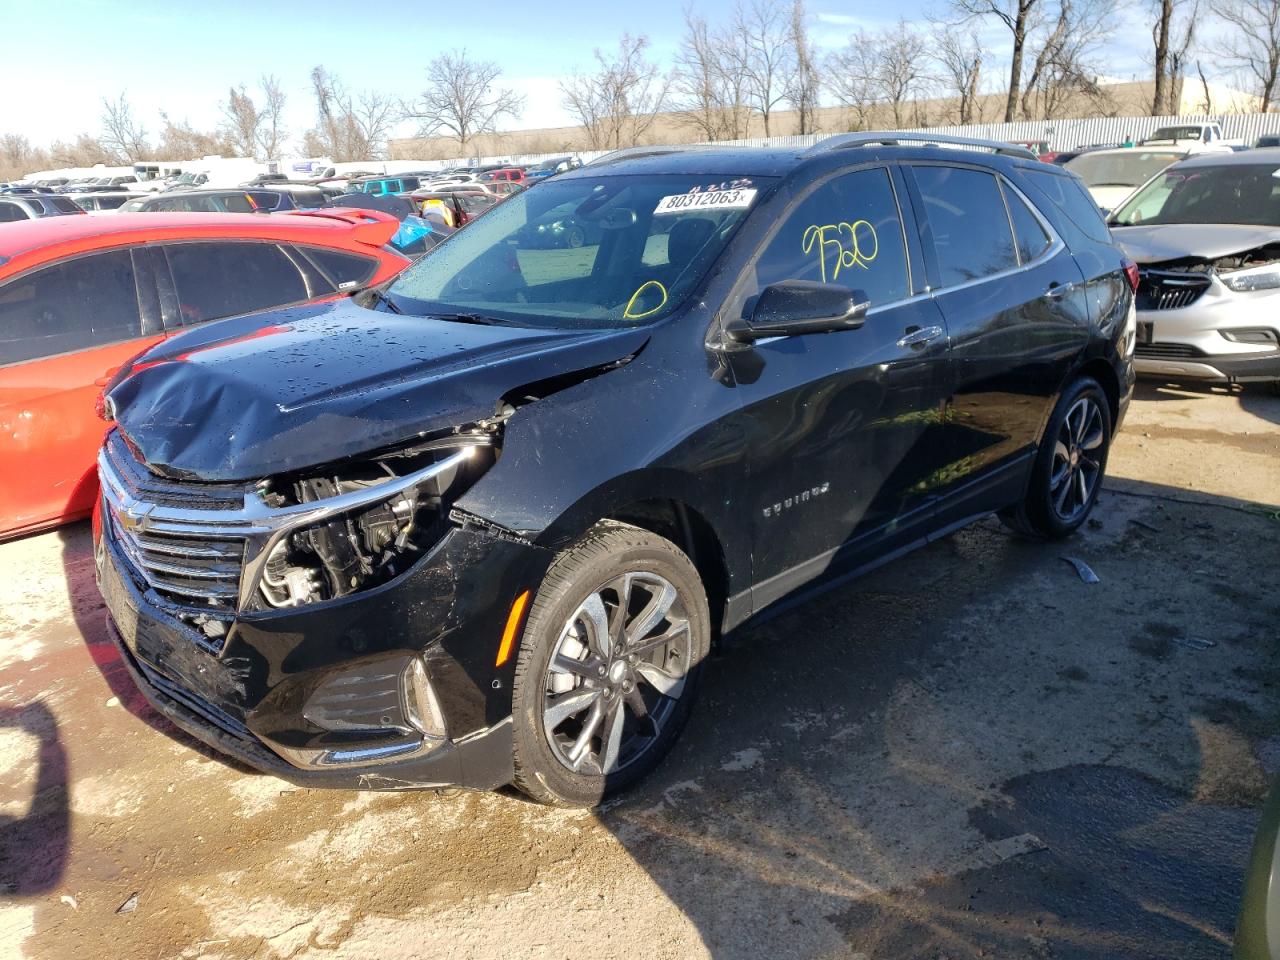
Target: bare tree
[618,103]
[1062,71]
[709,83]
[1020,17]
[902,55]
[462,100]
[272,131]
[241,121]
[959,58]
[803,85]
[123,138]
[761,31]
[1172,44]
[854,78]
[348,128]
[181,140]
[1252,44]
[84,151]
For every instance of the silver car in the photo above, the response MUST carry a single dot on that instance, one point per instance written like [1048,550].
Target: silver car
[1205,234]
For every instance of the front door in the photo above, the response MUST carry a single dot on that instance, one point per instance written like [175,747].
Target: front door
[840,427]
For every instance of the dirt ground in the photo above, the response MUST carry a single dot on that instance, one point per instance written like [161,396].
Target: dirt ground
[970,753]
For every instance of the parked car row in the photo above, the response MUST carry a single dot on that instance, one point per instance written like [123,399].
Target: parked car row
[80,295]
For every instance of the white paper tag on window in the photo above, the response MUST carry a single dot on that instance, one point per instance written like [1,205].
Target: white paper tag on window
[706,200]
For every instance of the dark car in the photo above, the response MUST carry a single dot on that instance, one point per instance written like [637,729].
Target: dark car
[236,200]
[1267,140]
[481,525]
[33,206]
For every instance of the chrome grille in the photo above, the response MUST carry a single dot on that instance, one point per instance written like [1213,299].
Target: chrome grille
[1170,290]
[188,561]
[194,570]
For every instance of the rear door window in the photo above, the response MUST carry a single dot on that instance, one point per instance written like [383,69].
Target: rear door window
[223,279]
[849,232]
[972,238]
[81,303]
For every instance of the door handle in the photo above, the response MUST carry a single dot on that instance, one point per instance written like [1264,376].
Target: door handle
[919,336]
[1057,290]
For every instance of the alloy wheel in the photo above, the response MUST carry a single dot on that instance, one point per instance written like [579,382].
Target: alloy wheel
[1077,459]
[616,673]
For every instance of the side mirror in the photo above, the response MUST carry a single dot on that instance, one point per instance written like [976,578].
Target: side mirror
[795,307]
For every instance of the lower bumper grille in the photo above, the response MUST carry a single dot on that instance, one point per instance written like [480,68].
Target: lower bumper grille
[195,703]
[1168,351]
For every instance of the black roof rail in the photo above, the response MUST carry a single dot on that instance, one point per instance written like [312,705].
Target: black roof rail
[843,140]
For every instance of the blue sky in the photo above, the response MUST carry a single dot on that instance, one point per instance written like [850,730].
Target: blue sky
[181,56]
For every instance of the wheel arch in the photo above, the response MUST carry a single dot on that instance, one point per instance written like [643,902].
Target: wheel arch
[1100,370]
[692,532]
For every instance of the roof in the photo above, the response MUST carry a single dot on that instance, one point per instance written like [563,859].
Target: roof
[714,161]
[25,237]
[1258,157]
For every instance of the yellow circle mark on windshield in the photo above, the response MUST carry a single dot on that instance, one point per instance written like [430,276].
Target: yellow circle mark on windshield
[628,315]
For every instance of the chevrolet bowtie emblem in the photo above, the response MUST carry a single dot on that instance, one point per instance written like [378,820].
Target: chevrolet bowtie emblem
[135,518]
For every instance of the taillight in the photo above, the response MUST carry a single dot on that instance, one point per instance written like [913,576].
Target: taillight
[1131,271]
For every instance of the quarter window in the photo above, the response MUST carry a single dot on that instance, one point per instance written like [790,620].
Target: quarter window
[74,305]
[971,234]
[848,232]
[1069,196]
[1027,230]
[344,269]
[217,280]
[10,212]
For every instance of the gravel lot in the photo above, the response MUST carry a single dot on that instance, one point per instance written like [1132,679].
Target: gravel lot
[969,753]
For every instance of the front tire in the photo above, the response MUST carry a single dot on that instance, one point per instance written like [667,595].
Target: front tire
[608,665]
[1069,466]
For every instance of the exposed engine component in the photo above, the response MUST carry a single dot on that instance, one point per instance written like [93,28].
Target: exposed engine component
[365,547]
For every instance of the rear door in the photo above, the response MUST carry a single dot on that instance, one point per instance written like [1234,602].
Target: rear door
[1017,314]
[64,329]
[843,429]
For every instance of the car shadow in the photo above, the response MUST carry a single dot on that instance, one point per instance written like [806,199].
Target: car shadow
[1258,399]
[34,844]
[937,761]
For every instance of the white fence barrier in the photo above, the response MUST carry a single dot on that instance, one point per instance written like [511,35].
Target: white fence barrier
[1060,134]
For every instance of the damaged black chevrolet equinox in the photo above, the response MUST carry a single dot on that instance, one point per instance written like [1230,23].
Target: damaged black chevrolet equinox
[481,526]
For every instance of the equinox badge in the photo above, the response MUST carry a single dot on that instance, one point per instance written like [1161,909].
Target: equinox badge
[803,496]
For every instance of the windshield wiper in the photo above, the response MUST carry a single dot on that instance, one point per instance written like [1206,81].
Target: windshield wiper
[468,318]
[380,297]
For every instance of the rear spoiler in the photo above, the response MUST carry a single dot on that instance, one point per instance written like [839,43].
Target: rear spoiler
[368,226]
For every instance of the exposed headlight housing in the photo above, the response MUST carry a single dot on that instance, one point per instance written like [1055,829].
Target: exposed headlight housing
[359,525]
[1247,281]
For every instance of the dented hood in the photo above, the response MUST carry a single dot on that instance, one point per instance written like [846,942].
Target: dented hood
[285,390]
[1201,241]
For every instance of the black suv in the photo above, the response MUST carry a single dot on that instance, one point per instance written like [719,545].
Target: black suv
[482,525]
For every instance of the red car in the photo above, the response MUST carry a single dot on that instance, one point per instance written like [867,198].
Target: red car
[81,295]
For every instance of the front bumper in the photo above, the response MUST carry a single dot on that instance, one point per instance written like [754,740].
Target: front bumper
[1235,368]
[268,696]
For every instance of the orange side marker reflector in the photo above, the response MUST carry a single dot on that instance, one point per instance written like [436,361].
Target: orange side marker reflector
[512,630]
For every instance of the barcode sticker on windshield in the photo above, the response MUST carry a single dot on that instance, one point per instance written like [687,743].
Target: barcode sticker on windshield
[706,200]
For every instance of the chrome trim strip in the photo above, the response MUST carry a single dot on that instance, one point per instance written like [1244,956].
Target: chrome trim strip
[261,526]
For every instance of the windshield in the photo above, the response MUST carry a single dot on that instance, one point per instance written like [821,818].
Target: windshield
[1126,169]
[1227,194]
[608,251]
[1177,133]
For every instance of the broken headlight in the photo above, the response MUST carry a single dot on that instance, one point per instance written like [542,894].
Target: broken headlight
[352,538]
[1247,281]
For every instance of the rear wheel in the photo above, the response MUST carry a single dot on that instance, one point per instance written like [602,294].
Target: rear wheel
[608,665]
[1069,466]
